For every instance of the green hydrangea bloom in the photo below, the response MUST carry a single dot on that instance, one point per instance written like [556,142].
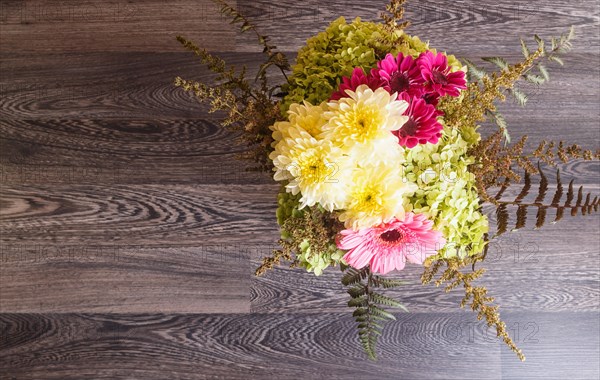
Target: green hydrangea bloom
[318,261]
[447,192]
[287,206]
[335,52]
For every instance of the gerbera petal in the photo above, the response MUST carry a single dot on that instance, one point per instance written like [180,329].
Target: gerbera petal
[388,246]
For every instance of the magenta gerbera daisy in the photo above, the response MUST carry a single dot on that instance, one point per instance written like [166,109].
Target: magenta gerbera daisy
[422,126]
[400,74]
[358,77]
[438,75]
[389,246]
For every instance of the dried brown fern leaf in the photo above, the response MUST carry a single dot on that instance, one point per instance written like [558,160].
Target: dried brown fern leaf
[584,204]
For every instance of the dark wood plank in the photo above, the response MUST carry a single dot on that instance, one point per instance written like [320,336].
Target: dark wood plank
[45,152]
[464,27]
[542,336]
[152,215]
[286,346]
[241,346]
[122,151]
[119,278]
[45,26]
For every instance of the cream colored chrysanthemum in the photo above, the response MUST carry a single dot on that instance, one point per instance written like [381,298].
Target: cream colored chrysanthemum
[365,117]
[315,168]
[376,195]
[308,117]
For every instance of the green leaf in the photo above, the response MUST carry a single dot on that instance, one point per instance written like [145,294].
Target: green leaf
[474,73]
[539,41]
[500,62]
[383,300]
[359,301]
[535,79]
[519,96]
[357,291]
[557,60]
[246,26]
[499,120]
[380,312]
[389,283]
[544,72]
[524,49]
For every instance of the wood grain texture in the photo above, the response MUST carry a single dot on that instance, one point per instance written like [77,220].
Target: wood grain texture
[129,232]
[121,25]
[257,346]
[464,27]
[114,278]
[165,215]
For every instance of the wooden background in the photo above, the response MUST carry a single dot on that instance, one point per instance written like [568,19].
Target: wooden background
[130,233]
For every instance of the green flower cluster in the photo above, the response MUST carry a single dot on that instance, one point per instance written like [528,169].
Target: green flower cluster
[287,206]
[318,261]
[334,53]
[310,259]
[447,193]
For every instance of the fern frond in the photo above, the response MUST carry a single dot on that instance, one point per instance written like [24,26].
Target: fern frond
[583,203]
[543,186]
[369,315]
[559,190]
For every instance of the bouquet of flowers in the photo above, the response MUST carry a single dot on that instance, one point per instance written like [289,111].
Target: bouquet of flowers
[374,138]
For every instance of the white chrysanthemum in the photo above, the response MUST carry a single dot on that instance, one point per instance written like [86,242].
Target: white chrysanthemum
[376,195]
[303,116]
[308,117]
[362,124]
[315,168]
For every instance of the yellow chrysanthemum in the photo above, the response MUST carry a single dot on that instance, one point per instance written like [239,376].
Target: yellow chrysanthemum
[315,168]
[308,117]
[376,195]
[363,117]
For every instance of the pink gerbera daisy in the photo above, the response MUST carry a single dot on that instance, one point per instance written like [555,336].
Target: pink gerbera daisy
[389,245]
[358,77]
[438,75]
[422,126]
[400,74]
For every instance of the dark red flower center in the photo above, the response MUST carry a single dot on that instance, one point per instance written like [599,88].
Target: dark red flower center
[391,236]
[399,82]
[409,128]
[440,78]
[430,98]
